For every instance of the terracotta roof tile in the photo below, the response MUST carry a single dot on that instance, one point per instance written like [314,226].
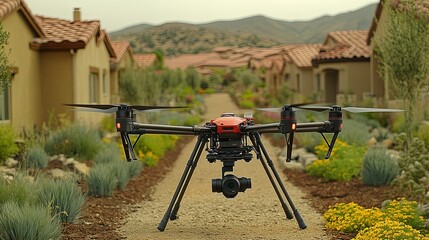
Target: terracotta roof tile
[8,6]
[187,60]
[120,48]
[343,45]
[145,60]
[302,55]
[60,31]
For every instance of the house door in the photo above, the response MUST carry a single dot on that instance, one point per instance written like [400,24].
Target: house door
[331,85]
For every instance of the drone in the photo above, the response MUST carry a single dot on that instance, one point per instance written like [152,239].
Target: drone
[230,138]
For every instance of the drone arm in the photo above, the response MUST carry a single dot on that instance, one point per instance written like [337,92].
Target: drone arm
[167,128]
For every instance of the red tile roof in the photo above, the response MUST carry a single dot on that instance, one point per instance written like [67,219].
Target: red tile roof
[8,6]
[120,48]
[61,32]
[145,60]
[302,55]
[344,45]
[64,34]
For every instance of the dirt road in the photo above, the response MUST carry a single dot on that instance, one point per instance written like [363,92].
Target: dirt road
[255,214]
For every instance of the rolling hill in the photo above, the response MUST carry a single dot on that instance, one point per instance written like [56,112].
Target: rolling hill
[256,31]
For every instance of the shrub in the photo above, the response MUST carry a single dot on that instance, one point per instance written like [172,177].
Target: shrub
[378,167]
[134,168]
[413,179]
[405,211]
[63,197]
[107,124]
[7,142]
[308,140]
[108,154]
[75,140]
[122,173]
[36,157]
[27,222]
[344,163]
[101,181]
[354,132]
[389,229]
[423,134]
[15,191]
[350,217]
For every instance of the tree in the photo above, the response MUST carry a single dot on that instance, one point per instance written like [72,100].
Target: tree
[403,54]
[5,66]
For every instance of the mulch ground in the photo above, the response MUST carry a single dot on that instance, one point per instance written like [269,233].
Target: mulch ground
[103,216]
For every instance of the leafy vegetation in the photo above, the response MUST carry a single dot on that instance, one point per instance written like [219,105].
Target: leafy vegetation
[5,65]
[101,181]
[378,167]
[27,222]
[351,217]
[63,197]
[7,142]
[403,53]
[36,157]
[75,140]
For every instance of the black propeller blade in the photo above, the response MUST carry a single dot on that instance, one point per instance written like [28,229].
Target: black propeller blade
[352,109]
[279,109]
[110,108]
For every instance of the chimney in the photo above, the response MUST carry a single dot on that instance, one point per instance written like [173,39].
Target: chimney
[76,15]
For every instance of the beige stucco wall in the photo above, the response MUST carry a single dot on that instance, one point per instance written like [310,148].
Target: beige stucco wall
[25,93]
[353,77]
[56,67]
[306,79]
[127,61]
[95,56]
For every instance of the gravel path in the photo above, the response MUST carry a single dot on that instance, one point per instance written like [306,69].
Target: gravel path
[255,214]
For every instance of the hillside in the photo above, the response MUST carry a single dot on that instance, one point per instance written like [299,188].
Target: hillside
[256,31]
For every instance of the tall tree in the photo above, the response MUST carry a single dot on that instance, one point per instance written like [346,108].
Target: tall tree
[5,66]
[403,53]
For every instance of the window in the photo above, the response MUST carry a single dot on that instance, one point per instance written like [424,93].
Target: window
[298,83]
[4,105]
[93,87]
[104,83]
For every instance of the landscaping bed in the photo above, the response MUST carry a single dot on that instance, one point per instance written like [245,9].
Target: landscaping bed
[103,216]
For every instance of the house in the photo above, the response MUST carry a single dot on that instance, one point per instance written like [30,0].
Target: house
[21,104]
[55,62]
[342,68]
[299,72]
[145,60]
[123,60]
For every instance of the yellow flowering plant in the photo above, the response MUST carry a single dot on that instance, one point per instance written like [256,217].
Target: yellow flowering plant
[390,229]
[344,164]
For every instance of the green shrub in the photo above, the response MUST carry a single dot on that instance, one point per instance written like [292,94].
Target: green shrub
[107,124]
[134,168]
[423,134]
[36,157]
[354,132]
[63,197]
[7,142]
[15,191]
[308,140]
[108,154]
[344,164]
[413,179]
[27,222]
[378,167]
[247,104]
[101,181]
[121,170]
[75,140]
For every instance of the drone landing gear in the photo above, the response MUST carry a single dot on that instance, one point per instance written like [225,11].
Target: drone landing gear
[261,152]
[174,206]
[257,142]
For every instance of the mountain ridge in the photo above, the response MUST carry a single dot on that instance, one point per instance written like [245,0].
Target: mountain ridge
[252,31]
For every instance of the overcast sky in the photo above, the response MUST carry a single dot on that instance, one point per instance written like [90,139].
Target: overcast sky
[115,15]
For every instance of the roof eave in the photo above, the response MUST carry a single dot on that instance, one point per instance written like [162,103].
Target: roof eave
[53,46]
[316,62]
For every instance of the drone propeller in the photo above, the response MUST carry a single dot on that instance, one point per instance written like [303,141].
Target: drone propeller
[352,109]
[109,108]
[279,109]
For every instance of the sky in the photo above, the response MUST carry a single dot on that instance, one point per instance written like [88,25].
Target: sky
[115,15]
